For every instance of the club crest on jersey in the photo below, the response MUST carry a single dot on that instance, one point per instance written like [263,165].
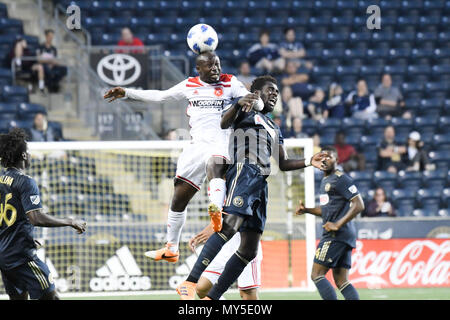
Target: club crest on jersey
[35,199]
[327,187]
[323,198]
[218,91]
[238,201]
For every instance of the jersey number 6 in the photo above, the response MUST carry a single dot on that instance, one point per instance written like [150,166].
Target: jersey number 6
[4,208]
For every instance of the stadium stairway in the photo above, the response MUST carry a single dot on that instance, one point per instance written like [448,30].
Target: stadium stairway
[60,106]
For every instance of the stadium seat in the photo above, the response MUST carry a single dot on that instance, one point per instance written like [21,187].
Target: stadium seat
[444,124]
[404,201]
[14,94]
[444,213]
[445,198]
[362,179]
[435,179]
[429,199]
[11,26]
[386,180]
[8,111]
[411,180]
[441,142]
[440,159]
[27,111]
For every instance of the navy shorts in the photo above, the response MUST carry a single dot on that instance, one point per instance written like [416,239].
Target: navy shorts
[247,196]
[33,277]
[333,254]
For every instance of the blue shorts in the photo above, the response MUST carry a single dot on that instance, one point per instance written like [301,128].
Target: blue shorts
[333,254]
[33,277]
[247,196]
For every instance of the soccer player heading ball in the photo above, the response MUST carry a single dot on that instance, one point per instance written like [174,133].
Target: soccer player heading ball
[23,273]
[340,202]
[255,139]
[206,97]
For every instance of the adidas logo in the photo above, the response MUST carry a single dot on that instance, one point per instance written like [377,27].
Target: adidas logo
[120,273]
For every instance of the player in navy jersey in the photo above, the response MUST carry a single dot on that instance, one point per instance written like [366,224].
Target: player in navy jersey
[23,273]
[254,140]
[340,202]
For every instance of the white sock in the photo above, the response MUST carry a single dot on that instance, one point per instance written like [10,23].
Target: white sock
[18,62]
[175,223]
[41,84]
[217,191]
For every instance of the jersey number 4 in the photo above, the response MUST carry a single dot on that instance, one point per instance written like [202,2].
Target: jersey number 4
[4,208]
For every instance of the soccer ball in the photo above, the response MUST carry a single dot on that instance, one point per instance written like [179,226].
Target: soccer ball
[202,38]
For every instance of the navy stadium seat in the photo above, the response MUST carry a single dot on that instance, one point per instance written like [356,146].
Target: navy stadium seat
[27,111]
[440,159]
[441,142]
[435,179]
[411,180]
[8,111]
[14,94]
[429,199]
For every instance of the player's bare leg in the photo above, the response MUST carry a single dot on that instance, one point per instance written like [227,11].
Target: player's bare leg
[324,286]
[183,193]
[215,170]
[340,276]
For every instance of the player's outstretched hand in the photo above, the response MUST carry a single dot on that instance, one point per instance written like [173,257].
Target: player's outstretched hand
[247,102]
[201,237]
[316,160]
[114,93]
[300,209]
[79,225]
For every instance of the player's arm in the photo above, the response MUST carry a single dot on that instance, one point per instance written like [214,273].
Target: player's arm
[245,104]
[287,164]
[356,207]
[201,237]
[301,209]
[156,96]
[40,219]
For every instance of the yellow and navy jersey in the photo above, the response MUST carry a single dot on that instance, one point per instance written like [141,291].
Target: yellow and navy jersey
[336,192]
[254,140]
[19,194]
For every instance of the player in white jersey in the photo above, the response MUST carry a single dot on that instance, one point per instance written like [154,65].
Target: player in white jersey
[206,96]
[249,280]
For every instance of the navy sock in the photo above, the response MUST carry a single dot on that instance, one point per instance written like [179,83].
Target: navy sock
[209,251]
[349,292]
[231,272]
[325,288]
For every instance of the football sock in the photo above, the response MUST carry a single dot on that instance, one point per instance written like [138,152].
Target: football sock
[175,223]
[208,253]
[325,288]
[217,191]
[234,267]
[349,292]
[41,84]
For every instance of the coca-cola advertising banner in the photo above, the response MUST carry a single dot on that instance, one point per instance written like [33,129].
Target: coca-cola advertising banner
[401,263]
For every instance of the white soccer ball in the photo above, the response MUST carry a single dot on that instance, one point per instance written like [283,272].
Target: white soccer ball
[202,38]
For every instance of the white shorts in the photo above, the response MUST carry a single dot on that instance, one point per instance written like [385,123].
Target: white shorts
[191,165]
[251,276]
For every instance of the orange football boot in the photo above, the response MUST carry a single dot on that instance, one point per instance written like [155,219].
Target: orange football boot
[216,217]
[163,254]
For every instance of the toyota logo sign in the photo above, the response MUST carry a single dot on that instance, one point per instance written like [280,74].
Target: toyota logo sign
[119,69]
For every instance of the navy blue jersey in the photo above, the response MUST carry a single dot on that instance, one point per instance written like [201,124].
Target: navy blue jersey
[336,191]
[254,140]
[19,194]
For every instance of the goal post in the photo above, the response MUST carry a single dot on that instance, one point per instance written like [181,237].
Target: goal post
[123,190]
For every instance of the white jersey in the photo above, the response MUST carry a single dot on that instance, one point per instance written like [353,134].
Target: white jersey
[204,102]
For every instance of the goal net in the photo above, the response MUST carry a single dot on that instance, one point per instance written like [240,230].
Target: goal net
[123,190]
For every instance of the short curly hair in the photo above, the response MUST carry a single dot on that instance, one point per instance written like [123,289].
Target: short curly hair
[259,82]
[12,146]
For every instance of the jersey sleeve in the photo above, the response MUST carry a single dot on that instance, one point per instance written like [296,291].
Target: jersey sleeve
[346,187]
[239,89]
[29,195]
[174,93]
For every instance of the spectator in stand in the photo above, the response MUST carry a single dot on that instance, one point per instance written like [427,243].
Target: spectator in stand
[316,142]
[379,206]
[47,56]
[348,157]
[316,107]
[292,106]
[390,99]
[28,66]
[362,103]
[416,158]
[245,75]
[296,131]
[297,81]
[335,104]
[292,50]
[129,40]
[41,131]
[265,55]
[390,153]
[170,134]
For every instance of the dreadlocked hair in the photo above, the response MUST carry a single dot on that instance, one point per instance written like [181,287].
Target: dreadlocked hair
[12,145]
[259,82]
